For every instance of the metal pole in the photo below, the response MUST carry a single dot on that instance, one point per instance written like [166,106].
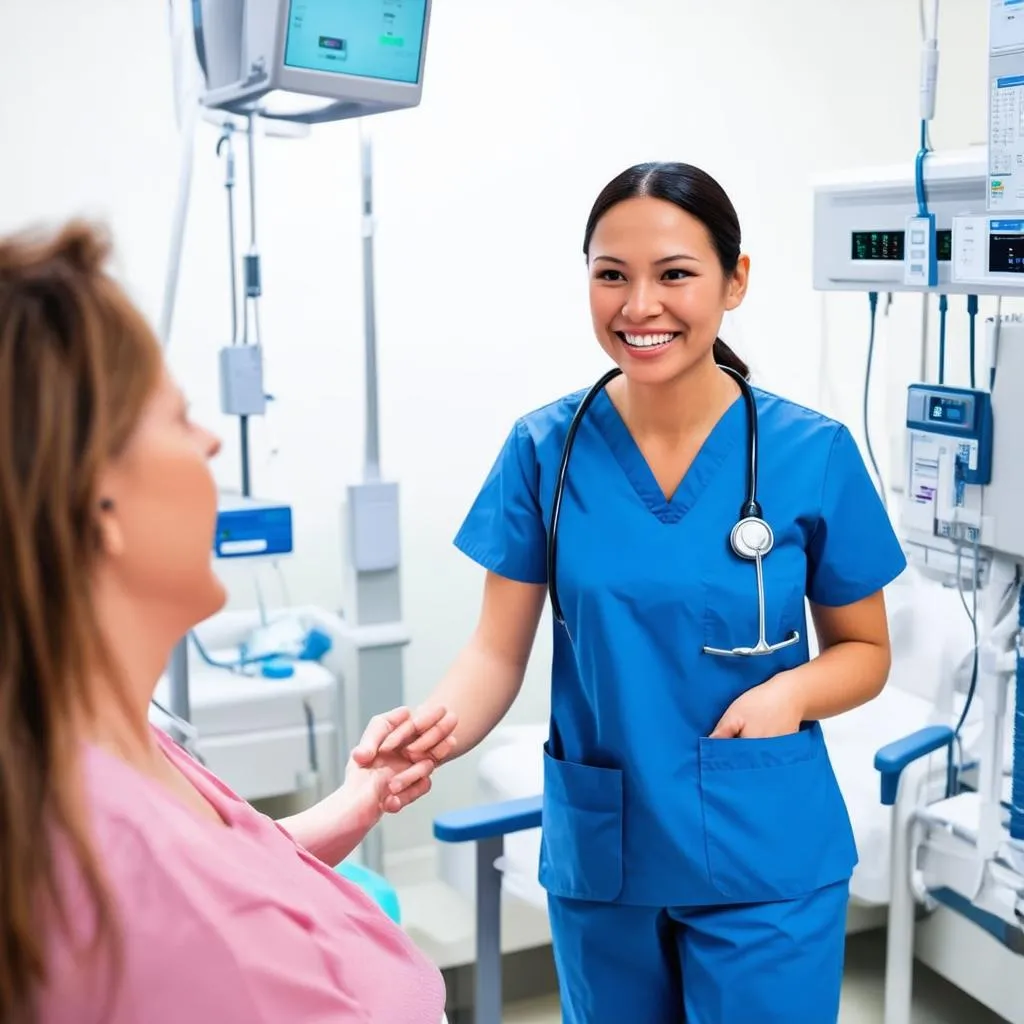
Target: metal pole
[922,370]
[371,466]
[373,843]
[487,996]
[179,703]
[178,668]
[252,286]
[178,223]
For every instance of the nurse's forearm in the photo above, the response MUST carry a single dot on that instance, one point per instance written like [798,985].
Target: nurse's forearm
[840,679]
[480,687]
[330,830]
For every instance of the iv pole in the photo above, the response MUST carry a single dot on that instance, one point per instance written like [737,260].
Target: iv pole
[178,673]
[375,634]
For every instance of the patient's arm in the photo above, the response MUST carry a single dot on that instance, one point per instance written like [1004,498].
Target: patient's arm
[335,826]
[331,829]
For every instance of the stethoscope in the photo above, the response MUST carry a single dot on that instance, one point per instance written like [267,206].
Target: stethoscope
[751,538]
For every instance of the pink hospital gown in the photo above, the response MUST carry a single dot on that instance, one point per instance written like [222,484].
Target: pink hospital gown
[234,925]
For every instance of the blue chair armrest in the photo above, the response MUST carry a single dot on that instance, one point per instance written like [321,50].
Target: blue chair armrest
[894,757]
[488,820]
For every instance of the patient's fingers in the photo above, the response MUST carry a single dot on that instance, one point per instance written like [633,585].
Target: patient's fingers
[379,728]
[395,802]
[411,775]
[418,724]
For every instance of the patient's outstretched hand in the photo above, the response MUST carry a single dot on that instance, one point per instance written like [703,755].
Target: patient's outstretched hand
[381,780]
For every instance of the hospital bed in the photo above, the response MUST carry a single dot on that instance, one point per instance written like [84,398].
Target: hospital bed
[929,633]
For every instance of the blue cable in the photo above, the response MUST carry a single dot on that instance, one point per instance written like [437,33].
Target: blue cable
[943,306]
[1017,790]
[972,312]
[873,305]
[922,153]
[239,663]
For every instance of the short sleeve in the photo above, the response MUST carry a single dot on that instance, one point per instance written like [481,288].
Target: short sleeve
[504,530]
[854,551]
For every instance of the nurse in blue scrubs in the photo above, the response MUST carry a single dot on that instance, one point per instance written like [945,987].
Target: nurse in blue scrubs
[696,847]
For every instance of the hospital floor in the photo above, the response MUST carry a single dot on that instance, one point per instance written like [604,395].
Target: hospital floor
[935,1000]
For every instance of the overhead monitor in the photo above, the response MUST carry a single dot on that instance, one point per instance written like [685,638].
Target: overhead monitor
[312,60]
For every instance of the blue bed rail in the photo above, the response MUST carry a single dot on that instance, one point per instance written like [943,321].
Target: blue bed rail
[487,825]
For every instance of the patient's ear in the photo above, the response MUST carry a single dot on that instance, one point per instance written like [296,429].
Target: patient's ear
[111,537]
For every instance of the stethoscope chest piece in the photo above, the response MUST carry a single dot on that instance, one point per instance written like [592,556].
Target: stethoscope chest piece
[752,538]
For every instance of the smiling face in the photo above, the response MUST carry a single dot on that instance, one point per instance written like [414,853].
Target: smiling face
[658,291]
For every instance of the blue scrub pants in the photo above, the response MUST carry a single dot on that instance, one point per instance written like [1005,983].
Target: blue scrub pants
[762,963]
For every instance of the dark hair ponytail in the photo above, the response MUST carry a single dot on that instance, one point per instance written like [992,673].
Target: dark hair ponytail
[694,191]
[725,356]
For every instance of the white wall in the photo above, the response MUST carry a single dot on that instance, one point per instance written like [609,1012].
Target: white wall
[482,193]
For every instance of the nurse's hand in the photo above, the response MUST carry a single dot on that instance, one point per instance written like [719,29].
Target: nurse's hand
[427,735]
[379,782]
[763,712]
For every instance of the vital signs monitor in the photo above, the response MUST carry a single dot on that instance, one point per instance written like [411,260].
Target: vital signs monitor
[312,60]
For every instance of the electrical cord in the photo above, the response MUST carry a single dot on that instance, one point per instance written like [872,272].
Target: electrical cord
[953,772]
[994,348]
[922,154]
[943,307]
[972,313]
[873,305]
[925,35]
[1007,607]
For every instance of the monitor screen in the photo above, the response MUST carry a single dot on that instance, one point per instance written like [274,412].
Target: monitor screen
[949,410]
[1006,247]
[380,39]
[877,245]
[889,245]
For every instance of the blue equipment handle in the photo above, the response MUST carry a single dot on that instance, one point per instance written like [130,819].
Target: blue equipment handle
[893,758]
[488,820]
[487,825]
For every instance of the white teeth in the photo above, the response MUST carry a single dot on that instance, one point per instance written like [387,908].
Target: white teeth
[647,340]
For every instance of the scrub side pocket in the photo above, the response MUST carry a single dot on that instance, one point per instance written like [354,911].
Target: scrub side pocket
[581,831]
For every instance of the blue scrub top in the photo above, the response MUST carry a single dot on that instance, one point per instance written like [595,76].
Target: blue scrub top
[640,807]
